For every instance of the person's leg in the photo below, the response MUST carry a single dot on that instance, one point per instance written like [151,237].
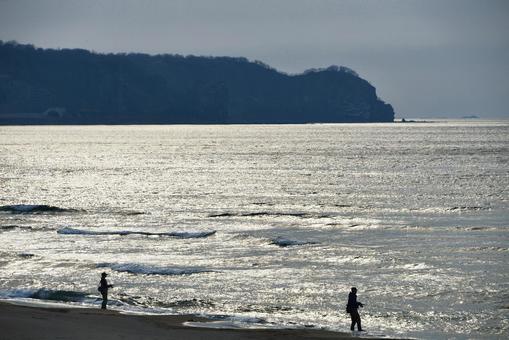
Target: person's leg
[359,322]
[352,316]
[105,300]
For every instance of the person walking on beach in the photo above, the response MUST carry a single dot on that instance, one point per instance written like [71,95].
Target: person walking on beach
[103,289]
[352,307]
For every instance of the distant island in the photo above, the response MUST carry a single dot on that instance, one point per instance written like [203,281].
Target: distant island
[76,86]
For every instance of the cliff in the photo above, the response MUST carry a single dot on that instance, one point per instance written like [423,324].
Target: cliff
[74,86]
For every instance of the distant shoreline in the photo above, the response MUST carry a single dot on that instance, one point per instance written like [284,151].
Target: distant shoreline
[396,121]
[201,124]
[30,322]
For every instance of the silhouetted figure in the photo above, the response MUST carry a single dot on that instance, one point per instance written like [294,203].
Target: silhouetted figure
[103,289]
[352,307]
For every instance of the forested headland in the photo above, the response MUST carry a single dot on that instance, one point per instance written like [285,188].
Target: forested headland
[76,86]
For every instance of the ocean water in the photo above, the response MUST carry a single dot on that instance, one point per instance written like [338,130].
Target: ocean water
[265,226]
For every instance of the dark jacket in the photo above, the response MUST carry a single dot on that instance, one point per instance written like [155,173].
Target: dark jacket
[352,305]
[103,286]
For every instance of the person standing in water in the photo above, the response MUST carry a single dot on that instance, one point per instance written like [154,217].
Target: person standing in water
[103,289]
[352,307]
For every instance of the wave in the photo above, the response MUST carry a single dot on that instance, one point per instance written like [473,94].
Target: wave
[223,215]
[138,268]
[412,266]
[230,322]
[59,295]
[284,242]
[66,296]
[488,249]
[153,305]
[190,303]
[177,234]
[270,213]
[46,294]
[342,205]
[34,209]
[480,228]
[271,309]
[468,208]
[23,227]
[263,213]
[8,227]
[133,213]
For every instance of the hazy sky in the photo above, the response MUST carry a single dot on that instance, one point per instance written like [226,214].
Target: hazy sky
[427,58]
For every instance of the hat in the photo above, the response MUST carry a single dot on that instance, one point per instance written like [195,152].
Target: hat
[104,274]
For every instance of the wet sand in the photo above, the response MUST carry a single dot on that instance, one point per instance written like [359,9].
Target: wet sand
[24,323]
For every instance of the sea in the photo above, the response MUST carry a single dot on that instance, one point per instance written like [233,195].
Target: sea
[265,226]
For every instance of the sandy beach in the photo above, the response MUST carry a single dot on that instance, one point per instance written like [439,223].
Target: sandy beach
[24,323]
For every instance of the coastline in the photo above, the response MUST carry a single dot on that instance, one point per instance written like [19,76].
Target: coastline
[30,322]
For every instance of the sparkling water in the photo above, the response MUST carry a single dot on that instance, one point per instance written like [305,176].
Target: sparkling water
[266,225]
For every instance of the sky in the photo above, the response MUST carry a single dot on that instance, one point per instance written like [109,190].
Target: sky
[428,58]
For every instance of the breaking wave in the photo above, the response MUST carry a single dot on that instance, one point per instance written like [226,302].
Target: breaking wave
[488,249]
[133,213]
[284,242]
[46,294]
[138,268]
[230,321]
[34,209]
[479,228]
[65,296]
[468,208]
[11,227]
[412,266]
[191,303]
[261,213]
[6,228]
[177,234]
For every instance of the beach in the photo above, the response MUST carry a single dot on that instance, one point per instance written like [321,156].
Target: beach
[28,322]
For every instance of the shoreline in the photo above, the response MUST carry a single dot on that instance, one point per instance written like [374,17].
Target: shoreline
[21,322]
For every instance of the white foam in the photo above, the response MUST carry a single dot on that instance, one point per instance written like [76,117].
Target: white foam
[42,303]
[223,325]
[130,310]
[412,266]
[232,322]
